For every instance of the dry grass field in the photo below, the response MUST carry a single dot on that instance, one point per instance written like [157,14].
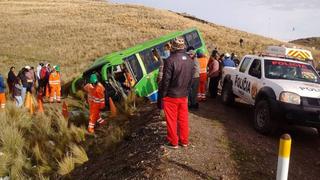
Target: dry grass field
[74,33]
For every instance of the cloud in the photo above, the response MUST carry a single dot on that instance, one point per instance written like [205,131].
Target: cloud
[287,4]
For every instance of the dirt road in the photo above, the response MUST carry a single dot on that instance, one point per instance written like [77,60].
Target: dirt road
[223,145]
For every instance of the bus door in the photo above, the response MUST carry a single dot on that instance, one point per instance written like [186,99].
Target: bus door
[151,61]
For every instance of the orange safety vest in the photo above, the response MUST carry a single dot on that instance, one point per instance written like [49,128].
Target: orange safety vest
[95,95]
[54,79]
[203,63]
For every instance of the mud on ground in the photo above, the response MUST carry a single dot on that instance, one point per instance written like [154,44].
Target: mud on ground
[223,145]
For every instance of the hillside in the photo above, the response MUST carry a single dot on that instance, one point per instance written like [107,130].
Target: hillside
[313,42]
[74,33]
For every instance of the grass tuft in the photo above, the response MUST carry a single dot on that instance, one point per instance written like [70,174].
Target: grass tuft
[66,165]
[79,154]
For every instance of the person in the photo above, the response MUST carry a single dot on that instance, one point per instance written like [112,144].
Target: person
[193,102]
[29,74]
[214,73]
[96,100]
[235,59]
[241,42]
[34,79]
[38,76]
[227,62]
[39,67]
[176,82]
[11,79]
[2,93]
[203,62]
[17,92]
[166,55]
[55,85]
[44,80]
[22,76]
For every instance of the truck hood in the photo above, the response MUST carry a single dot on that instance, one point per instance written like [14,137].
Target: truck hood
[304,89]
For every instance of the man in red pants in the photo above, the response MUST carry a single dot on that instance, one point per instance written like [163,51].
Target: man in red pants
[176,82]
[96,101]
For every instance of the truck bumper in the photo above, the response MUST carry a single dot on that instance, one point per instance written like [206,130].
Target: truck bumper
[300,114]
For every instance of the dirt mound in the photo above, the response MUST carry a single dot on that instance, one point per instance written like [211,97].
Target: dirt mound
[135,156]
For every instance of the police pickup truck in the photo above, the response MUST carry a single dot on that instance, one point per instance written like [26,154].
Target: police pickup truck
[282,90]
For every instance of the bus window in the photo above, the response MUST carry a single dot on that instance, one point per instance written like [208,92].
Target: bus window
[135,67]
[164,50]
[151,59]
[193,39]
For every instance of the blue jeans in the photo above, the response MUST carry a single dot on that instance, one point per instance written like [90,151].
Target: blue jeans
[19,101]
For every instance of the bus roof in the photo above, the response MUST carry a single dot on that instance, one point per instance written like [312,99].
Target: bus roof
[116,57]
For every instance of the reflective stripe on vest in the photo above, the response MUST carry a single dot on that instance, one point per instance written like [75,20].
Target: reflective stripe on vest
[95,100]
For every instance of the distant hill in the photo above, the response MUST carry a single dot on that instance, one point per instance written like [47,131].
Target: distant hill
[313,42]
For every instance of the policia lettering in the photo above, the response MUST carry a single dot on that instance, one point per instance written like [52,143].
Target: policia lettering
[243,84]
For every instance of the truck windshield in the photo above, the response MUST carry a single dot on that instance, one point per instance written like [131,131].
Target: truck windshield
[291,71]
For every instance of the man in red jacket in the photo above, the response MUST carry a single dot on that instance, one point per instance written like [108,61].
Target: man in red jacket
[176,82]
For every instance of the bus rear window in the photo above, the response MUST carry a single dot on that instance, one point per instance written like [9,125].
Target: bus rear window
[193,39]
[135,67]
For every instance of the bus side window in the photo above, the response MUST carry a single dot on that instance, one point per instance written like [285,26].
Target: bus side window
[135,67]
[151,59]
[193,39]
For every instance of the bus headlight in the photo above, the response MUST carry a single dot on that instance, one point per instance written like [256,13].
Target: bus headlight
[289,97]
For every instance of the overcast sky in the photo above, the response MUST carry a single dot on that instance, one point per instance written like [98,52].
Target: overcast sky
[280,19]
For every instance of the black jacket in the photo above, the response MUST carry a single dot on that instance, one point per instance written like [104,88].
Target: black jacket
[177,75]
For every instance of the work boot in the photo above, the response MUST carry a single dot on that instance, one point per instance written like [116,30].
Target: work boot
[102,122]
[171,146]
[91,130]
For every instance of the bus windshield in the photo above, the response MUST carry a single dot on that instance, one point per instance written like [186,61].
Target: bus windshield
[291,71]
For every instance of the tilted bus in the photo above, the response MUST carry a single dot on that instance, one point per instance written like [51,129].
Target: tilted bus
[141,64]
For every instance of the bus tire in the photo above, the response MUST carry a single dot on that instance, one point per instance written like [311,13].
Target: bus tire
[227,95]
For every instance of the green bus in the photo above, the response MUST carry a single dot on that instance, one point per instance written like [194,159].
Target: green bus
[139,62]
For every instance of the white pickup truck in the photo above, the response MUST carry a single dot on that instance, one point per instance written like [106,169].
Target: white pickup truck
[280,89]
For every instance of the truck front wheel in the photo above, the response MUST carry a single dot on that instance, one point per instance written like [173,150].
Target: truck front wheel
[227,94]
[263,117]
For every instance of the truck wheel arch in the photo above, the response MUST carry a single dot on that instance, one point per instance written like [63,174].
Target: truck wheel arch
[266,93]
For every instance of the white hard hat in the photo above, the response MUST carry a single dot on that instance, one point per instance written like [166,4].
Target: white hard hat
[27,67]
[226,55]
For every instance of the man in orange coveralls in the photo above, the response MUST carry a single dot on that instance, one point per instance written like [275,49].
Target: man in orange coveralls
[55,84]
[96,99]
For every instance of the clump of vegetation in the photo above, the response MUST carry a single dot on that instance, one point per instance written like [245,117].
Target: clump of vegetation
[38,146]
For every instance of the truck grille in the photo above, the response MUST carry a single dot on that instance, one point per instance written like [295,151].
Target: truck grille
[311,101]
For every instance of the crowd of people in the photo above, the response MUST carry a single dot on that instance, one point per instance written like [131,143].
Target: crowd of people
[45,81]
[182,83]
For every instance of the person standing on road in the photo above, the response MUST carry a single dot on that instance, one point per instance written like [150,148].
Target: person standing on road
[55,84]
[203,62]
[2,93]
[214,73]
[227,62]
[96,100]
[11,79]
[176,82]
[165,55]
[193,102]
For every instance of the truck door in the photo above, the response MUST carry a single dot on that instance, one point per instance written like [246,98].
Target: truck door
[240,79]
[254,79]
